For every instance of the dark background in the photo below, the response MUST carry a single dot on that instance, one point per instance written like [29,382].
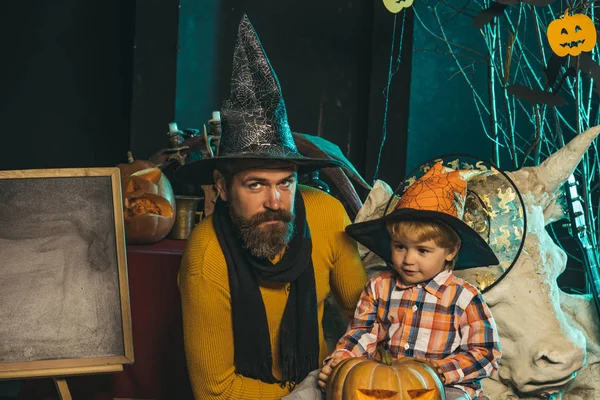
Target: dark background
[66,83]
[84,82]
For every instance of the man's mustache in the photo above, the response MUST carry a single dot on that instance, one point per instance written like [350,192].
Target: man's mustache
[272,215]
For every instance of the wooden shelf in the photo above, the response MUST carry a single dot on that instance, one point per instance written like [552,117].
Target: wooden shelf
[165,246]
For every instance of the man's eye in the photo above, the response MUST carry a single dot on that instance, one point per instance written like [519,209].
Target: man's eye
[286,183]
[254,185]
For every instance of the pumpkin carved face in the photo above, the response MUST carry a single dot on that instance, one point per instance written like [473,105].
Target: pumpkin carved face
[404,379]
[571,35]
[148,202]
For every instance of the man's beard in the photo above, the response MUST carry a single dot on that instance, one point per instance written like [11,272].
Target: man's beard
[268,240]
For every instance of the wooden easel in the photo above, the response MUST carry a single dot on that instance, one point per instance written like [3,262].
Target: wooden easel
[59,375]
[63,388]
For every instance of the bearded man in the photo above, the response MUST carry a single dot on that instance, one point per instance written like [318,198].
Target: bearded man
[256,273]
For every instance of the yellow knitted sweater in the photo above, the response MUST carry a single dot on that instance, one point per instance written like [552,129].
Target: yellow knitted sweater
[206,300]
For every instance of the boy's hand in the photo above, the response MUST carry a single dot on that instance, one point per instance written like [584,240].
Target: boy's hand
[326,371]
[436,368]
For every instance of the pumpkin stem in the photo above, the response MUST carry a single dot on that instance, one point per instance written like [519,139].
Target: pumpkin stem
[385,356]
[130,159]
[567,12]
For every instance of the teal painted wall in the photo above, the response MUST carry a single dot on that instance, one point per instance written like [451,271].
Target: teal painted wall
[198,62]
[442,117]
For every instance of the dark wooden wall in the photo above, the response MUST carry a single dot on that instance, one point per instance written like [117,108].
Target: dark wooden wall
[65,82]
[83,82]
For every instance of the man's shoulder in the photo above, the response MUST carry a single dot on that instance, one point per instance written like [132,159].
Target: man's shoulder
[203,233]
[314,195]
[317,201]
[203,252]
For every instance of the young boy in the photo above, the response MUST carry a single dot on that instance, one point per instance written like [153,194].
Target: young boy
[421,309]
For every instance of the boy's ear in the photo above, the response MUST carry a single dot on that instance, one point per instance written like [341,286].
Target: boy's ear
[452,254]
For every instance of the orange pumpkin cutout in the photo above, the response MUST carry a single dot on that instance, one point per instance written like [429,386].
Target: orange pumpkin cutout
[572,35]
[148,202]
[405,379]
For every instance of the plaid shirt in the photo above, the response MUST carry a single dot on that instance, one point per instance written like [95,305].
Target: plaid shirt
[444,319]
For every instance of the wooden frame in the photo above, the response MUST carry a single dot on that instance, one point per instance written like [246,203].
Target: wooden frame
[94,364]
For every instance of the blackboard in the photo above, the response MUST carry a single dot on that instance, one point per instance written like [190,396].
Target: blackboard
[64,297]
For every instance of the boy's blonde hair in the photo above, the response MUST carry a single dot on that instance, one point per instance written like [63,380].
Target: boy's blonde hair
[422,231]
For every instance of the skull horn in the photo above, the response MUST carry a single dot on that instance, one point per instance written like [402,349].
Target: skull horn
[555,170]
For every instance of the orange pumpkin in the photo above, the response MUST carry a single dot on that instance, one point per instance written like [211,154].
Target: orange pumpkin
[404,379]
[148,202]
[572,34]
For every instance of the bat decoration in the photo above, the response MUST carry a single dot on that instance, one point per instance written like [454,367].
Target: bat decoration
[487,16]
[536,96]
[554,67]
[588,66]
[537,3]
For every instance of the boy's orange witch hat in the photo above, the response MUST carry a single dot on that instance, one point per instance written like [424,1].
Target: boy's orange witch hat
[437,196]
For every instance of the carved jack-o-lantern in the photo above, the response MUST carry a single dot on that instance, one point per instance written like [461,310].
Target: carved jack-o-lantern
[395,6]
[572,34]
[148,202]
[404,379]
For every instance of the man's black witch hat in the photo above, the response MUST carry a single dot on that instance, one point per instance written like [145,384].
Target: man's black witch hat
[254,118]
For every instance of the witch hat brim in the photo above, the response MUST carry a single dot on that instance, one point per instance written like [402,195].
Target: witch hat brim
[373,234]
[201,171]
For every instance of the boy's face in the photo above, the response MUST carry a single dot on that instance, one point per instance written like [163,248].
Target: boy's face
[417,261]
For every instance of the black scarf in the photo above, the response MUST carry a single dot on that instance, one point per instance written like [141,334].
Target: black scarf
[299,332]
